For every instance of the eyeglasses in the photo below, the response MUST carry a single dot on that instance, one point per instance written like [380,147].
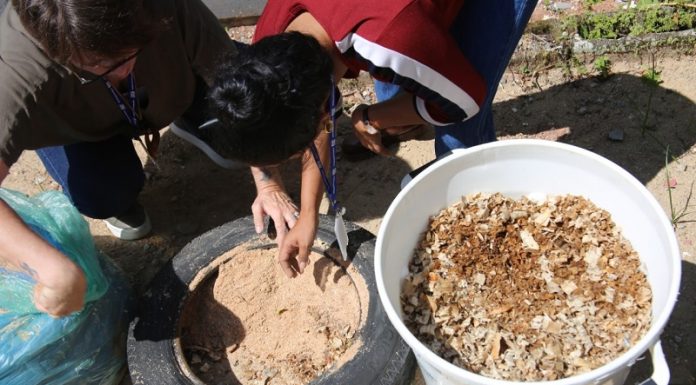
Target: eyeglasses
[87,77]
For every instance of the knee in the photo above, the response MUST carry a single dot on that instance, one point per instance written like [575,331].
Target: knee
[104,201]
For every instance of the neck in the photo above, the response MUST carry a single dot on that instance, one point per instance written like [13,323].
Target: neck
[307,24]
[119,82]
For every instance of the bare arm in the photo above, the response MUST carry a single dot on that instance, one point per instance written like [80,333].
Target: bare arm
[61,284]
[395,112]
[312,185]
[294,252]
[272,200]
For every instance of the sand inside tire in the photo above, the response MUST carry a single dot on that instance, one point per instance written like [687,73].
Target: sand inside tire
[248,324]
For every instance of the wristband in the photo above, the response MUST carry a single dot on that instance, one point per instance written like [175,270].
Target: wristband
[366,122]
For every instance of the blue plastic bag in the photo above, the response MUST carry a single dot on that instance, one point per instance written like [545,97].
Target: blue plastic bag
[87,347]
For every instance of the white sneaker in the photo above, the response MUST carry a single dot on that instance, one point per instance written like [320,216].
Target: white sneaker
[130,225]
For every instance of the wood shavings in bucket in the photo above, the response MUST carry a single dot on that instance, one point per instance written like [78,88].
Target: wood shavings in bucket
[521,290]
[249,324]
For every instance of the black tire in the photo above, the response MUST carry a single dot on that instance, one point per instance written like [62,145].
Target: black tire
[383,359]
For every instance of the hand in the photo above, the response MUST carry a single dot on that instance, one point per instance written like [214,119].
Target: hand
[293,254]
[368,138]
[278,205]
[62,293]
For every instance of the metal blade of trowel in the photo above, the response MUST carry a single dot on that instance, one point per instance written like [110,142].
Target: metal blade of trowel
[341,235]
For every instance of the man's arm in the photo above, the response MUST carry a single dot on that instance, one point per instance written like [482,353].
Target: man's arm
[61,285]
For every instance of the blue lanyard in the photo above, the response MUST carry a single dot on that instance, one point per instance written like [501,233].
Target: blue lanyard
[330,186]
[129,113]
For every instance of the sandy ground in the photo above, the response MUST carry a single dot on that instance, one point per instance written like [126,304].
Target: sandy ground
[187,195]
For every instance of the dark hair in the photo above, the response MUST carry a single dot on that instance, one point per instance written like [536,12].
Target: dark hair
[69,28]
[269,98]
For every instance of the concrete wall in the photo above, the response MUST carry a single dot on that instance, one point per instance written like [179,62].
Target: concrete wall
[239,11]
[236,11]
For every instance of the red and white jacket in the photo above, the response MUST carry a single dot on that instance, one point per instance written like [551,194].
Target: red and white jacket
[405,42]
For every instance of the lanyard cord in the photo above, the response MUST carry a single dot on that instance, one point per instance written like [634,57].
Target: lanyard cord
[329,186]
[129,113]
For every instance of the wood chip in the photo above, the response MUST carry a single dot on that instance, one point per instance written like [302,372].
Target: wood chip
[524,290]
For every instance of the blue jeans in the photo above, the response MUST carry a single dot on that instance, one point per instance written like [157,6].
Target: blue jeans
[487,32]
[102,179]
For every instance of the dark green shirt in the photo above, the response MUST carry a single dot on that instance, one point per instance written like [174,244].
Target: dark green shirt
[42,103]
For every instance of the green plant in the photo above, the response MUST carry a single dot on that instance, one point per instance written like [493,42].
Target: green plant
[652,78]
[649,17]
[602,65]
[587,4]
[582,70]
[677,216]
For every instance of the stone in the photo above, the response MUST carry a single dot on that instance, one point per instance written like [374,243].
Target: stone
[616,134]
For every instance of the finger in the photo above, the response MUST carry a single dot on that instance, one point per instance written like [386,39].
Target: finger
[287,269]
[43,303]
[38,303]
[287,262]
[377,147]
[291,218]
[302,259]
[257,211]
[281,230]
[371,141]
[381,150]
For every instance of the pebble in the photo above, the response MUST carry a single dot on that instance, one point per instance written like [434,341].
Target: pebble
[336,343]
[616,134]
[560,6]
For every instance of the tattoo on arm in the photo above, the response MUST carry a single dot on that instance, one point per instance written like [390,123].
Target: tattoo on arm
[265,174]
[27,269]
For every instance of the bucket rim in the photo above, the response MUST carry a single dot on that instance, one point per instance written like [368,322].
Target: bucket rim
[627,359]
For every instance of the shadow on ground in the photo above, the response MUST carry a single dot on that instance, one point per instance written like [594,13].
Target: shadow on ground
[678,339]
[583,113]
[650,119]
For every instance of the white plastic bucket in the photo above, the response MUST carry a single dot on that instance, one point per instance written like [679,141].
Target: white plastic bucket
[523,167]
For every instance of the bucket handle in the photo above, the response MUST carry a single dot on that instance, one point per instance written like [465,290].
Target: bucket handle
[660,374]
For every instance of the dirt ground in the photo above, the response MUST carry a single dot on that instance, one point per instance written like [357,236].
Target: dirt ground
[187,195]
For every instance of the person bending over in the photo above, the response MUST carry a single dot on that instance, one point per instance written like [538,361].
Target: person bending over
[83,80]
[446,58]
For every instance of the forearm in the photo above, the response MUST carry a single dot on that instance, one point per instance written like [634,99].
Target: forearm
[394,112]
[26,251]
[267,177]
[312,185]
